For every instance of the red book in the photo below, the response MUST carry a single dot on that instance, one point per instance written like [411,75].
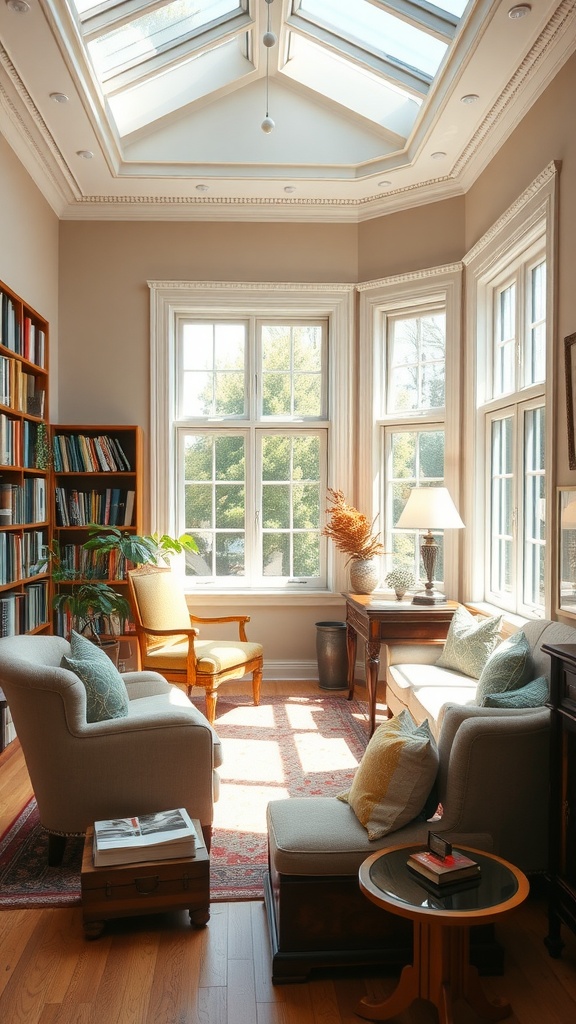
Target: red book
[443,870]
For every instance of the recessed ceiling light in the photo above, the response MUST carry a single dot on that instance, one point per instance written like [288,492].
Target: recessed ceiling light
[439,155]
[289,188]
[519,11]
[384,184]
[18,6]
[201,188]
[470,97]
[59,97]
[86,154]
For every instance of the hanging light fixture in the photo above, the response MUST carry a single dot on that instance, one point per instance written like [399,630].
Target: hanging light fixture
[269,39]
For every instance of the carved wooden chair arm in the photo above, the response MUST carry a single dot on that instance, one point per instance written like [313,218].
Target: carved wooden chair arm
[240,619]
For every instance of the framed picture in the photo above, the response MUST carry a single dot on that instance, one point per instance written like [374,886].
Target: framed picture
[570,365]
[567,550]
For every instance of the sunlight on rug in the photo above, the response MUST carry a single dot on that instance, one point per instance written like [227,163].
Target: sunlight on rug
[289,746]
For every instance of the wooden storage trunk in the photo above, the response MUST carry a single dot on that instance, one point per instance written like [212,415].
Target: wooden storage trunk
[146,888]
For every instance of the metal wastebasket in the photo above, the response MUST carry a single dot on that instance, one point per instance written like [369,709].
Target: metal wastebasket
[332,655]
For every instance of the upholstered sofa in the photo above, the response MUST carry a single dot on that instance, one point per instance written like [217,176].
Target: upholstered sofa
[492,783]
[415,681]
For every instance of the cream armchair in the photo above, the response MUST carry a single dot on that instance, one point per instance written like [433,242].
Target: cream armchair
[163,754]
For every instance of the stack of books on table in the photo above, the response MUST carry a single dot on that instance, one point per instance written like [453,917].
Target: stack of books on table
[444,874]
[165,835]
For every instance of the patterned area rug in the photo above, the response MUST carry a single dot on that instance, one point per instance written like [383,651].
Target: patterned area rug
[289,746]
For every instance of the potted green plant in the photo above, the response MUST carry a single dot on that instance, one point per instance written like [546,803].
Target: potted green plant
[91,602]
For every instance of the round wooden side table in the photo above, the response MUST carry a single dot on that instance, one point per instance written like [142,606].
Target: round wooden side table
[441,970]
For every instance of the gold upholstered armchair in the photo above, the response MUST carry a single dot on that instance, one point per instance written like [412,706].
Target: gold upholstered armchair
[169,641]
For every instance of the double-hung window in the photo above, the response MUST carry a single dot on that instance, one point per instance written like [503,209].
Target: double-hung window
[252,447]
[414,342]
[510,479]
[512,406]
[249,402]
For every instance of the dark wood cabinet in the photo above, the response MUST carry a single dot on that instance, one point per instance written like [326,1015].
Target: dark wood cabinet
[562,863]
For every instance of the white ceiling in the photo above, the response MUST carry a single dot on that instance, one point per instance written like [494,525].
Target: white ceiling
[204,156]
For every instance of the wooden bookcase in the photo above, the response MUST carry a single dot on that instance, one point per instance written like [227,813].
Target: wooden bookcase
[97,477]
[24,468]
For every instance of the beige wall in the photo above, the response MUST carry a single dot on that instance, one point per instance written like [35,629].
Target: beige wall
[427,236]
[29,246]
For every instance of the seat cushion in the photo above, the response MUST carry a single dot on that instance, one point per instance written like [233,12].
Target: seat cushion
[395,776]
[214,656]
[106,695]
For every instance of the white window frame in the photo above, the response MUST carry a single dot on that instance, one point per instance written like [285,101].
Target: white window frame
[408,294]
[170,300]
[530,221]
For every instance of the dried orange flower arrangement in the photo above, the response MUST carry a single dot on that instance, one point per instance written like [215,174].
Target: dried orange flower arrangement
[350,530]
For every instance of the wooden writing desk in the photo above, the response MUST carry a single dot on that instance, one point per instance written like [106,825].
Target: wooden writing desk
[387,621]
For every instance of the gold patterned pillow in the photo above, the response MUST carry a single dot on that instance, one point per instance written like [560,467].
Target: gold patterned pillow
[395,776]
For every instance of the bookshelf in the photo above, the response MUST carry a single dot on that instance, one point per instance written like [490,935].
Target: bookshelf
[24,467]
[97,477]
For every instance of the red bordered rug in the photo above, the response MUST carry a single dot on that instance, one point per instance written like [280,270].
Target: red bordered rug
[289,746]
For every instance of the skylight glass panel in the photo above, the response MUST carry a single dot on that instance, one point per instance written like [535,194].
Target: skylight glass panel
[154,32]
[456,7]
[357,88]
[378,31]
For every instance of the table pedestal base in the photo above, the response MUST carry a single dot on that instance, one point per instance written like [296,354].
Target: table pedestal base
[441,973]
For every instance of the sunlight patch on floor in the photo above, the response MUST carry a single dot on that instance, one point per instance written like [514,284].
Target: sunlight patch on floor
[243,808]
[251,761]
[248,716]
[319,753]
[302,716]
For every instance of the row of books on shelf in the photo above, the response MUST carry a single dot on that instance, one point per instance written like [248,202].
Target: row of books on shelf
[79,453]
[19,390]
[165,835]
[18,441]
[23,503]
[22,555]
[27,339]
[100,625]
[93,565]
[23,612]
[113,506]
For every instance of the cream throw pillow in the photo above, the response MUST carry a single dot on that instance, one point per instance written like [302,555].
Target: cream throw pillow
[395,776]
[469,643]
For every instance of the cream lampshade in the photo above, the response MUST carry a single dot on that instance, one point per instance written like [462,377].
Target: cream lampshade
[429,508]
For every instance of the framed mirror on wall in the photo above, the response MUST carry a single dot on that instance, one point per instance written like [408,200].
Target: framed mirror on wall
[567,550]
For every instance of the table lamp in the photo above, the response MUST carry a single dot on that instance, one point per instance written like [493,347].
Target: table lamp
[429,508]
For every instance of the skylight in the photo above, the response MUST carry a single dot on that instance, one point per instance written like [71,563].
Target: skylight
[376,59]
[377,30]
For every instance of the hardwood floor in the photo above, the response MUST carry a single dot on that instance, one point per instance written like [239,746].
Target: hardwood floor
[158,970]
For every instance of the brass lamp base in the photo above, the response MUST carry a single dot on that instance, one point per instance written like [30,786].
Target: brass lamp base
[429,598]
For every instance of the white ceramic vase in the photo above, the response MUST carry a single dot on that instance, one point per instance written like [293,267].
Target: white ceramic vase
[363,575]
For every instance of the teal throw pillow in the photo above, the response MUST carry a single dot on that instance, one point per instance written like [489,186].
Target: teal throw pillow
[106,695]
[533,695]
[469,643]
[508,667]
